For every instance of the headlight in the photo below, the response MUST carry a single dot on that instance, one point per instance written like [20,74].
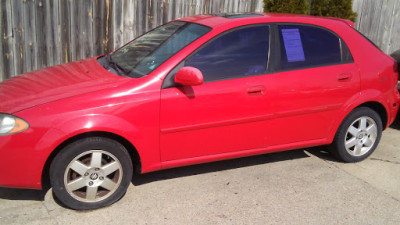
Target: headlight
[10,124]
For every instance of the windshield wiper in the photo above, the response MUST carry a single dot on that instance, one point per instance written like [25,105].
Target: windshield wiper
[116,66]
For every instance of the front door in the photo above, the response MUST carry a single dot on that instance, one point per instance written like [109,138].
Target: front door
[228,112]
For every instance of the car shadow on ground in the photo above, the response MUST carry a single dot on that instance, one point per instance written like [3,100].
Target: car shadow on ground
[139,179]
[22,194]
[322,152]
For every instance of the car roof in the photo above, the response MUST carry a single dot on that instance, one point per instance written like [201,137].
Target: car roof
[218,20]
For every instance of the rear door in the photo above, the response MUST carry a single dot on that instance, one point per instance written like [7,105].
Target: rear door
[315,78]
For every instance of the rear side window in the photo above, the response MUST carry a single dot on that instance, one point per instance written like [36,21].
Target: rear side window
[236,54]
[308,46]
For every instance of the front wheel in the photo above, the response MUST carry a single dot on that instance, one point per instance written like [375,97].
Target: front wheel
[91,173]
[358,135]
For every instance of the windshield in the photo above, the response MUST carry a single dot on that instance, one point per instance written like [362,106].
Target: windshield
[144,54]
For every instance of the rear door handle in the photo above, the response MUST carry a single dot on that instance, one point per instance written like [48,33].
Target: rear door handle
[344,76]
[256,90]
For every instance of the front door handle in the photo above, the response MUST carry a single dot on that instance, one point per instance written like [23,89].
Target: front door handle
[256,90]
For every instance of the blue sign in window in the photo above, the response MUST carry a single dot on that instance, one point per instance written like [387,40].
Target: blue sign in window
[293,45]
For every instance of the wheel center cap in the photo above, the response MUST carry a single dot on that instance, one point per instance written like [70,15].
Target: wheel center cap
[94,176]
[361,135]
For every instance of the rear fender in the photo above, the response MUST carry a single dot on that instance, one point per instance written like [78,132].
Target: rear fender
[363,97]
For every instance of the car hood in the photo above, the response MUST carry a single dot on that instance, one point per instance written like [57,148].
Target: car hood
[54,83]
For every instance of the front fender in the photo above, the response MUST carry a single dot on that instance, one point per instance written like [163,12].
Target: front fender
[43,141]
[98,123]
[144,139]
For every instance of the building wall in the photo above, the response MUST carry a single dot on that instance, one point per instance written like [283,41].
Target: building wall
[379,20]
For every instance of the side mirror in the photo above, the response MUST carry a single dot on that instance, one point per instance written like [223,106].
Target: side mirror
[189,76]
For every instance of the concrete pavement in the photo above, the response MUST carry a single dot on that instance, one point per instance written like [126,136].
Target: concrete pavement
[295,187]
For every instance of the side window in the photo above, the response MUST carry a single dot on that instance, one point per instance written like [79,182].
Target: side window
[239,53]
[308,46]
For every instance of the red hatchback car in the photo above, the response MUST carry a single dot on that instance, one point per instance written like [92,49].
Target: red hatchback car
[195,90]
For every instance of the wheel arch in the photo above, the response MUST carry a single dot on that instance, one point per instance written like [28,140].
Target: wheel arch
[380,109]
[134,155]
[377,106]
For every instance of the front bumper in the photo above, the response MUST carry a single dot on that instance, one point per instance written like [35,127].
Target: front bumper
[21,162]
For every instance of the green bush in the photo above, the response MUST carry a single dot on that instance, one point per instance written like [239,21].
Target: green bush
[319,7]
[287,6]
[334,8]
[341,9]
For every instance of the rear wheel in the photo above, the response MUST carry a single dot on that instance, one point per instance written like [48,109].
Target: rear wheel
[358,135]
[91,173]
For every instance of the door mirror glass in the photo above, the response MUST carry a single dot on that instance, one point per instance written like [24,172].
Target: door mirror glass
[189,76]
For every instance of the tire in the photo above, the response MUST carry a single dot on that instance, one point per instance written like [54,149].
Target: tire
[361,139]
[91,173]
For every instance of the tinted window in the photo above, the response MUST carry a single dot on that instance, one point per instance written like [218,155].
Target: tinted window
[147,52]
[238,53]
[346,55]
[308,46]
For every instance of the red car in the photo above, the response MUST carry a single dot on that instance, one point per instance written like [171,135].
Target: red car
[195,90]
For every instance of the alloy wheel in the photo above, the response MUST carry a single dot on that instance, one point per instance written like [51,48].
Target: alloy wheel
[361,136]
[93,176]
